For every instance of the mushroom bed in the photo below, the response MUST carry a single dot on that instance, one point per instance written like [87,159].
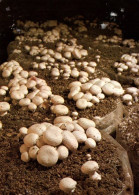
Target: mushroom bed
[70,81]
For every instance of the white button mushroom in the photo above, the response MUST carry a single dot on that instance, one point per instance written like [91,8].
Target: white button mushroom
[80,136]
[67,185]
[69,140]
[57,99]
[63,152]
[47,156]
[23,148]
[23,131]
[89,167]
[86,123]
[76,54]
[108,89]
[95,176]
[37,129]
[17,95]
[77,96]
[60,110]
[37,100]
[33,152]
[90,143]
[2,92]
[24,102]
[95,90]
[30,139]
[52,136]
[62,119]
[81,103]
[4,106]
[93,133]
[25,157]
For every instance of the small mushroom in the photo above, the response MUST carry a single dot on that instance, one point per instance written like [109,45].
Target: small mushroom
[63,152]
[33,152]
[25,157]
[89,167]
[30,139]
[4,107]
[90,143]
[93,133]
[67,185]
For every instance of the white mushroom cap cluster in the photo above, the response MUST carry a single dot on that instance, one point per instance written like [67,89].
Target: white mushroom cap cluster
[131,95]
[64,53]
[47,142]
[90,168]
[24,81]
[114,39]
[93,91]
[10,68]
[128,63]
[129,43]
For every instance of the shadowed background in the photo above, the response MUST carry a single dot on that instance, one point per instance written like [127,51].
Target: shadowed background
[40,10]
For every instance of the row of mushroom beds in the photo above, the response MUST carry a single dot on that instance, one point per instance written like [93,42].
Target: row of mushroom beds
[45,142]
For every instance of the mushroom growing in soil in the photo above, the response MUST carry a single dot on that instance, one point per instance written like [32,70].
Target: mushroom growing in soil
[67,185]
[47,156]
[4,107]
[90,168]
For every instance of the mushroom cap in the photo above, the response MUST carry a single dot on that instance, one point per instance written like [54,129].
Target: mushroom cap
[52,136]
[4,106]
[67,185]
[25,157]
[81,103]
[69,140]
[60,110]
[62,119]
[93,133]
[80,136]
[33,152]
[108,88]
[37,129]
[30,139]
[127,97]
[90,143]
[47,156]
[89,167]
[86,123]
[57,99]
[63,152]
[17,95]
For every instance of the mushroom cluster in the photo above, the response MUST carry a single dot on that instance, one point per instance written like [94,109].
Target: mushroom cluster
[61,62]
[49,143]
[128,63]
[25,88]
[93,91]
